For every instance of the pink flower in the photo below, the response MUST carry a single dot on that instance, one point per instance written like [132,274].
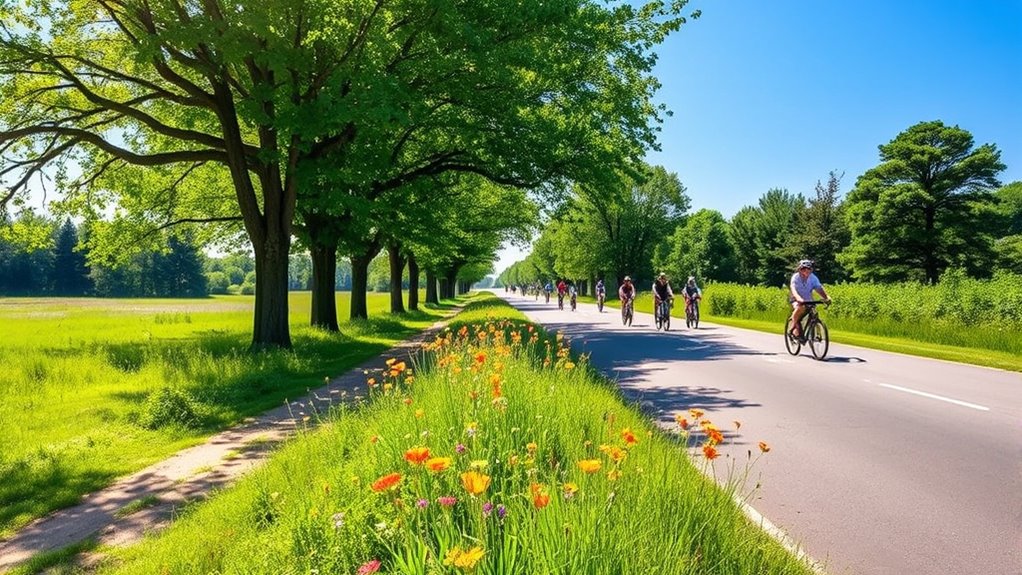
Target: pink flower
[369,567]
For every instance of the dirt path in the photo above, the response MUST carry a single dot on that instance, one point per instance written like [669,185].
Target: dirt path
[187,475]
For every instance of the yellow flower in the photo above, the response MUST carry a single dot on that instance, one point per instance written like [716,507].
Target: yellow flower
[475,483]
[614,474]
[569,365]
[570,489]
[438,464]
[531,447]
[465,560]
[419,413]
[589,465]
[477,464]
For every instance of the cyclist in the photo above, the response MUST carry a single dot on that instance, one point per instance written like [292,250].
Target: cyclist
[572,295]
[562,288]
[548,288]
[626,292]
[601,293]
[691,292]
[661,291]
[803,283]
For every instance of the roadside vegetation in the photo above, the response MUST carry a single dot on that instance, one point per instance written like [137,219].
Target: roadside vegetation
[91,389]
[495,452]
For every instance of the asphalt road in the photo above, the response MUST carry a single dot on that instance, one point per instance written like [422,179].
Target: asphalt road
[881,464]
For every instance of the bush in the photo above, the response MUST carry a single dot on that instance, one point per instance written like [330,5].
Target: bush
[169,406]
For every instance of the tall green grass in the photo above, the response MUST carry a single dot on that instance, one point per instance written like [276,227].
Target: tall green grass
[959,311]
[94,389]
[504,455]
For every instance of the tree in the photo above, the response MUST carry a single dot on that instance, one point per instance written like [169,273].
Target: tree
[702,248]
[820,232]
[178,271]
[761,236]
[70,273]
[256,89]
[1009,245]
[927,206]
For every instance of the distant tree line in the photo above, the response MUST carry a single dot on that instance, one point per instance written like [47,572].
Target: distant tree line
[932,204]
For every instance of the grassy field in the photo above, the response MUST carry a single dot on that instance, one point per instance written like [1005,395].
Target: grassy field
[93,389]
[499,454]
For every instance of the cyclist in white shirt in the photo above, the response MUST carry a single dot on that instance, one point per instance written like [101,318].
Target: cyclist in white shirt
[803,283]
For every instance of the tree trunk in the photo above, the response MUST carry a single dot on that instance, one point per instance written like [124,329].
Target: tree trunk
[451,283]
[271,327]
[397,268]
[359,283]
[324,271]
[413,283]
[432,295]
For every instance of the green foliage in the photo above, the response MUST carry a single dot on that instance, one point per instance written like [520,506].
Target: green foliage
[169,406]
[928,206]
[961,311]
[70,274]
[701,248]
[820,232]
[762,237]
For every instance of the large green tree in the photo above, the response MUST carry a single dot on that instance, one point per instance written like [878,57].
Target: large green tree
[700,247]
[927,206]
[820,231]
[761,235]
[1009,245]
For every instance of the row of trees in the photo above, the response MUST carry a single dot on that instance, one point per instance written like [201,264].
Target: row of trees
[932,203]
[353,126]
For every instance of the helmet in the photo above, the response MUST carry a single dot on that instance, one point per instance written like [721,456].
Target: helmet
[628,278]
[691,279]
[662,276]
[805,264]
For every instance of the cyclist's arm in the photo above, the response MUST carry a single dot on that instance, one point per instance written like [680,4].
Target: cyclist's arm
[794,292]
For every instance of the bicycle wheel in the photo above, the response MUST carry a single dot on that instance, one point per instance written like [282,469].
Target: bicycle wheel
[695,316]
[819,339]
[667,318]
[790,343]
[599,304]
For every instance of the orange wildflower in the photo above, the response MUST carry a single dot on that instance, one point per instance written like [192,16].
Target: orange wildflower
[614,452]
[763,446]
[475,482]
[590,465]
[710,451]
[386,482]
[391,361]
[695,413]
[540,498]
[417,455]
[480,357]
[715,436]
[682,422]
[438,464]
[628,436]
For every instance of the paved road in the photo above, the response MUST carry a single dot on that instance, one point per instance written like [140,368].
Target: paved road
[882,464]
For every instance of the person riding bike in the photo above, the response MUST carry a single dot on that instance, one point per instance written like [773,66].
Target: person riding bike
[803,283]
[562,289]
[626,293]
[661,291]
[572,295]
[691,292]
[601,293]
[548,289]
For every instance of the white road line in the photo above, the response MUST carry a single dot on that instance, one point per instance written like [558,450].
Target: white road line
[932,396]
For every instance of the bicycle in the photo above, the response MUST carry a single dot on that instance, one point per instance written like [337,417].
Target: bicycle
[692,313]
[814,332]
[547,297]
[626,312]
[573,297]
[560,301]
[600,297]
[663,314]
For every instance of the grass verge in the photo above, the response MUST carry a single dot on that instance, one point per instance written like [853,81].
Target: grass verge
[961,354]
[92,389]
[500,454]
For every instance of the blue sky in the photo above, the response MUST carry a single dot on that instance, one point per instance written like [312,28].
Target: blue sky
[777,94]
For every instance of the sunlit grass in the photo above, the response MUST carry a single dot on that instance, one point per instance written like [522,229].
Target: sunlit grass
[503,455]
[93,389]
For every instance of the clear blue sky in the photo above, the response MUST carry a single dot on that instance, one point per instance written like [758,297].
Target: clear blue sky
[777,94]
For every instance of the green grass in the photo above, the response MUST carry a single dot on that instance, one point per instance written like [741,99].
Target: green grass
[93,389]
[60,562]
[314,506]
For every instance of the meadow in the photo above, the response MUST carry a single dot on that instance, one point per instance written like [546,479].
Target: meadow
[495,452]
[93,389]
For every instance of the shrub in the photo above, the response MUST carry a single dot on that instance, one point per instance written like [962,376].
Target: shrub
[169,406]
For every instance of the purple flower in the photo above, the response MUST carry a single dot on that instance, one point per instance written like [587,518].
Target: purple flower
[447,501]
[460,448]
[422,503]
[487,509]
[501,511]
